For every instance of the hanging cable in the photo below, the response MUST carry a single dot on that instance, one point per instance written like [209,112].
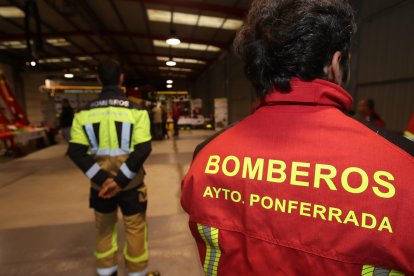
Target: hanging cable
[31,10]
[173,39]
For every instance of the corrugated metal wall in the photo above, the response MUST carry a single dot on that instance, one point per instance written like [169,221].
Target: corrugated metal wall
[34,99]
[382,69]
[386,59]
[225,79]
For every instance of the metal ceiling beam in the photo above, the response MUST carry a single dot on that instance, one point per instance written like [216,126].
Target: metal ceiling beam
[89,15]
[217,56]
[8,37]
[130,53]
[58,49]
[53,6]
[231,11]
[124,26]
[47,25]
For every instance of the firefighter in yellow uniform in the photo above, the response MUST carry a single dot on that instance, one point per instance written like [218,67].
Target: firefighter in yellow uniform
[110,141]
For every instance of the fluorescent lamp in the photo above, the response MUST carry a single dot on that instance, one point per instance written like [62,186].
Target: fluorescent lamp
[175,69]
[21,46]
[169,81]
[11,12]
[185,18]
[210,21]
[12,43]
[163,58]
[169,74]
[232,24]
[159,15]
[191,19]
[58,42]
[195,61]
[198,47]
[84,58]
[211,48]
[52,60]
[55,60]
[69,76]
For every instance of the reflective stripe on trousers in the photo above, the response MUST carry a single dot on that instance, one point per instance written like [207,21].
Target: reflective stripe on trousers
[136,244]
[106,245]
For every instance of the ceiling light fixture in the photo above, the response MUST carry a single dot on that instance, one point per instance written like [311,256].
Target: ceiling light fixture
[11,12]
[69,76]
[173,40]
[33,63]
[169,86]
[171,62]
[170,81]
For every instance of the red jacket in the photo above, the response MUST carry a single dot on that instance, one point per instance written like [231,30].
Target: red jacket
[300,188]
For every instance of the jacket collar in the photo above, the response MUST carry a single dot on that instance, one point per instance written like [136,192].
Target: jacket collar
[316,92]
[111,91]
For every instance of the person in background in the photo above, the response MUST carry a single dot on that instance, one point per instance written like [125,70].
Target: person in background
[409,131]
[157,121]
[300,187]
[149,107]
[110,142]
[366,109]
[65,119]
[164,122]
[176,112]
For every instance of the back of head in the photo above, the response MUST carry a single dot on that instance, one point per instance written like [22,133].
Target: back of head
[109,72]
[282,39]
[370,103]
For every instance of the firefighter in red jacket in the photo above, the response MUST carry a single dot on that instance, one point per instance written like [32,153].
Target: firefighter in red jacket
[299,187]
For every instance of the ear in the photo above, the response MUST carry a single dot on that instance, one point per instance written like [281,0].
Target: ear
[333,71]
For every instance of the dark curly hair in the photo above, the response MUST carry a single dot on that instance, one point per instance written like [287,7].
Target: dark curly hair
[282,39]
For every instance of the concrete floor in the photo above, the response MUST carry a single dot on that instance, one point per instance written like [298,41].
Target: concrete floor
[46,227]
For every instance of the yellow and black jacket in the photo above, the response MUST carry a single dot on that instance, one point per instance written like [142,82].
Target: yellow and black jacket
[111,137]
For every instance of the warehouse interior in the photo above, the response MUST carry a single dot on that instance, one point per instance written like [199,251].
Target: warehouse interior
[76,37]
[50,50]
